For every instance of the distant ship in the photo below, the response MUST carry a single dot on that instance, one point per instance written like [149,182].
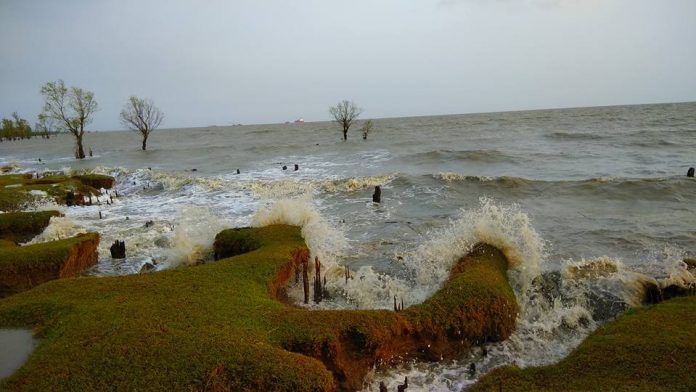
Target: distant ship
[299,121]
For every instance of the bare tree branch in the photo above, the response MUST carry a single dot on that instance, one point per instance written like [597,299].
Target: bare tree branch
[344,113]
[141,115]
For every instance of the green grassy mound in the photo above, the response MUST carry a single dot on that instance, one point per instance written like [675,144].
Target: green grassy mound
[690,263]
[23,226]
[651,348]
[23,267]
[15,188]
[220,326]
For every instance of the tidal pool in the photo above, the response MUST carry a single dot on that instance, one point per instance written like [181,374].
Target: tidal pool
[17,345]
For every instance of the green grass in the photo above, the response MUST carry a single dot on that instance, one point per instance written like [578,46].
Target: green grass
[220,326]
[690,263]
[23,267]
[15,188]
[651,348]
[23,226]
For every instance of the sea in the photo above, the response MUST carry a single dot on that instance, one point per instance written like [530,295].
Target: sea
[588,205]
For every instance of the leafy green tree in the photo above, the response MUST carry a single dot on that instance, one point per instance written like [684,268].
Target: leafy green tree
[141,115]
[15,127]
[71,108]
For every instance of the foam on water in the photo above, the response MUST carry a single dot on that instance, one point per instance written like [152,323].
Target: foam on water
[504,226]
[557,309]
[193,236]
[59,228]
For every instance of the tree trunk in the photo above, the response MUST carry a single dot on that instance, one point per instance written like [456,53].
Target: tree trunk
[80,149]
[144,142]
[345,134]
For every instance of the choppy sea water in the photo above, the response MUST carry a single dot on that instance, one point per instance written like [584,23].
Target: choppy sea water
[599,190]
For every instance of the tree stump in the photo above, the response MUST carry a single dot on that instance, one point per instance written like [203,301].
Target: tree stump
[118,250]
[690,173]
[377,196]
[70,199]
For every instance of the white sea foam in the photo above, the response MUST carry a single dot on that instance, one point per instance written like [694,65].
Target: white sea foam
[506,227]
[58,228]
[356,183]
[194,234]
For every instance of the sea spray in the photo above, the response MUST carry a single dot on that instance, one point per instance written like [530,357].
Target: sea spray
[561,309]
[194,234]
[322,239]
[506,227]
[59,228]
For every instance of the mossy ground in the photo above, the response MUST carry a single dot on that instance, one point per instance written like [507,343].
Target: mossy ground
[218,327]
[15,188]
[23,267]
[23,226]
[651,348]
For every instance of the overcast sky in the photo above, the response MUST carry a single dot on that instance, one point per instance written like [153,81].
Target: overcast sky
[260,61]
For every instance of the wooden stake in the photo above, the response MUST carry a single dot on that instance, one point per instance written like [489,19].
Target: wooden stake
[317,280]
[305,281]
[396,308]
[402,388]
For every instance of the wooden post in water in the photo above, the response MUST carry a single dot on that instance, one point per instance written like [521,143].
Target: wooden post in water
[317,280]
[377,196]
[118,250]
[305,280]
[70,199]
[402,387]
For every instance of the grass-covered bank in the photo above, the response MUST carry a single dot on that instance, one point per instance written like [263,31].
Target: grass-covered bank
[23,226]
[219,326]
[650,348]
[24,267]
[16,189]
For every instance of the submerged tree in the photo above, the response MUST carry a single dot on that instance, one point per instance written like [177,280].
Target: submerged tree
[45,127]
[15,128]
[344,113]
[71,108]
[366,128]
[141,115]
